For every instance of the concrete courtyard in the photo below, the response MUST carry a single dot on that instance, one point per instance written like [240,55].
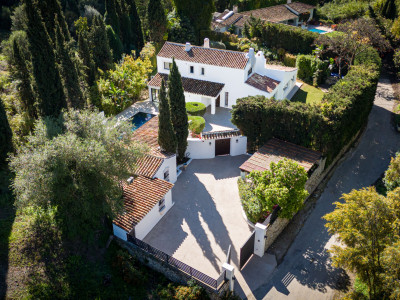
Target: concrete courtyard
[206,217]
[220,121]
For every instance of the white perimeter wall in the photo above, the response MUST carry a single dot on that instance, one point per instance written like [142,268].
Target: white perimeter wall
[119,232]
[170,163]
[239,147]
[200,149]
[152,218]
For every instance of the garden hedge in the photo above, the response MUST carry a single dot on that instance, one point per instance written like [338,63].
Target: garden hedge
[311,69]
[195,108]
[196,124]
[326,127]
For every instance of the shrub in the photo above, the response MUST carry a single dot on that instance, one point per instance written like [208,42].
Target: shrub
[196,124]
[251,205]
[396,59]
[289,60]
[125,262]
[392,174]
[311,69]
[195,108]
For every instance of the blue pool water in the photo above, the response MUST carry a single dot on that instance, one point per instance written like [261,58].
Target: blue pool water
[317,30]
[139,119]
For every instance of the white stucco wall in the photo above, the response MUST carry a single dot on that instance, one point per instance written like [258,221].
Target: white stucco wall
[119,232]
[238,145]
[200,149]
[169,163]
[152,218]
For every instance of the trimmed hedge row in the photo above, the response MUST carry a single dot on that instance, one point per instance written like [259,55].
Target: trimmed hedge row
[326,127]
[311,69]
[195,108]
[196,124]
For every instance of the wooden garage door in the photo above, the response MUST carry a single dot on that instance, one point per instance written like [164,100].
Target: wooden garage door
[222,147]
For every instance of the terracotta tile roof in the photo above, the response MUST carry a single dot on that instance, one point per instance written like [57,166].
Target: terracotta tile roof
[300,7]
[148,133]
[240,22]
[220,134]
[281,68]
[139,198]
[148,165]
[208,56]
[190,85]
[263,83]
[277,13]
[276,150]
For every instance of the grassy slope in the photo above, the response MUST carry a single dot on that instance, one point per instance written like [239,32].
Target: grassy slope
[308,94]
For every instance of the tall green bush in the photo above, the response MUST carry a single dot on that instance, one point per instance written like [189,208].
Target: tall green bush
[311,69]
[5,135]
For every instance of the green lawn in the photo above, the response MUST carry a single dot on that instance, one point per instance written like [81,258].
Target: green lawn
[308,94]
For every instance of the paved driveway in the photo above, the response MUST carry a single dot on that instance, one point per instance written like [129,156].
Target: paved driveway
[306,271]
[206,217]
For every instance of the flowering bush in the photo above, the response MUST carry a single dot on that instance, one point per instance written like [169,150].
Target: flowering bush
[283,185]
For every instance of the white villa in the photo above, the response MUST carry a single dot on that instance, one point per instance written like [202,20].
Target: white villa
[218,77]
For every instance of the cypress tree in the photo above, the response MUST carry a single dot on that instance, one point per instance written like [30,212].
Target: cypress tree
[5,135]
[99,44]
[21,72]
[136,27]
[166,134]
[178,109]
[69,72]
[111,16]
[156,21]
[87,60]
[115,43]
[51,98]
[388,9]
[48,10]
[126,27]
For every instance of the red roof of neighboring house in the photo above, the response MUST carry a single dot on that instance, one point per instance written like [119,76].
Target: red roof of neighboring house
[139,198]
[190,85]
[263,83]
[300,7]
[277,13]
[275,150]
[202,55]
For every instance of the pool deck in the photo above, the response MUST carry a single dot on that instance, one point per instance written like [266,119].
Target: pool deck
[146,106]
[320,27]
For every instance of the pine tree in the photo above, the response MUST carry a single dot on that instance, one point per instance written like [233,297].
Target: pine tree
[156,21]
[178,109]
[115,43]
[166,134]
[87,59]
[21,72]
[51,98]
[99,44]
[48,10]
[111,16]
[5,135]
[136,27]
[199,12]
[69,72]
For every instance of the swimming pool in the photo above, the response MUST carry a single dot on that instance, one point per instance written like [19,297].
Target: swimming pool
[139,119]
[320,31]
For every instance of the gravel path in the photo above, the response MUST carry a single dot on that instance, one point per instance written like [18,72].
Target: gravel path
[306,271]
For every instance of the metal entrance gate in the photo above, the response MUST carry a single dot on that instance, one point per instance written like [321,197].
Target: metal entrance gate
[247,250]
[222,146]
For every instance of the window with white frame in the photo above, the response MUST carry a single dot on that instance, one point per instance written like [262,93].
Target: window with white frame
[167,65]
[166,174]
[161,205]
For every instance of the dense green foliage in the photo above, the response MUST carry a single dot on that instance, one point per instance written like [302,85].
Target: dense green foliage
[311,69]
[166,134]
[178,109]
[157,21]
[367,226]
[196,108]
[392,174]
[196,124]
[87,60]
[136,27]
[5,135]
[51,12]
[100,46]
[51,97]
[198,12]
[180,29]
[111,18]
[73,166]
[282,184]
[339,10]
[292,39]
[326,127]
[115,43]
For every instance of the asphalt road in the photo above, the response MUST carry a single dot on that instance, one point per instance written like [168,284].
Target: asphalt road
[306,271]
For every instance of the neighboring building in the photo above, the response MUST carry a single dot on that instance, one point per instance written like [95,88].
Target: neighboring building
[147,194]
[275,150]
[290,13]
[218,77]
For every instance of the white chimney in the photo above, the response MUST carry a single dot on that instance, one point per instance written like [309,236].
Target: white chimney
[251,53]
[206,43]
[235,9]
[188,47]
